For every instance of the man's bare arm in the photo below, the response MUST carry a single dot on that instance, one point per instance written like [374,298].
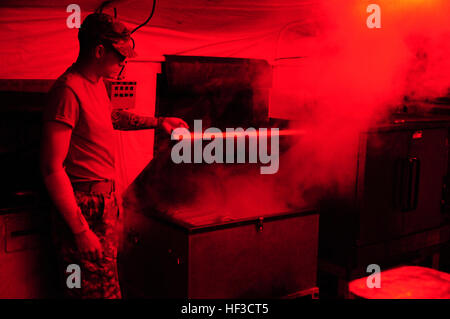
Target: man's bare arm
[126,121]
[55,144]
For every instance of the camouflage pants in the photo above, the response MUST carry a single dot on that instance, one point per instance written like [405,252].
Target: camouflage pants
[99,279]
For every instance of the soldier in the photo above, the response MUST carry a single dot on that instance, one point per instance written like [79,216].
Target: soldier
[77,156]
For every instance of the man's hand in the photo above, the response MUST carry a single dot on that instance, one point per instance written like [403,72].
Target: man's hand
[89,245]
[168,124]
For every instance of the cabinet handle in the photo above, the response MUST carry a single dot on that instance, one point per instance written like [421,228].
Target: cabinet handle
[133,237]
[445,196]
[408,189]
[415,167]
[26,232]
[174,257]
[412,181]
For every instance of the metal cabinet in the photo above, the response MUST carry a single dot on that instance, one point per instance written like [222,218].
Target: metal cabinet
[396,212]
[400,182]
[265,257]
[27,268]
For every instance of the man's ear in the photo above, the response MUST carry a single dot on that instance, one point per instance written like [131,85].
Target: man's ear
[99,51]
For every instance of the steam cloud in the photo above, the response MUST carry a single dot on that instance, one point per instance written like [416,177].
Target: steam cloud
[353,77]
[350,78]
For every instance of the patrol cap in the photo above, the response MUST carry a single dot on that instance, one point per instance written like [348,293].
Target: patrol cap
[104,28]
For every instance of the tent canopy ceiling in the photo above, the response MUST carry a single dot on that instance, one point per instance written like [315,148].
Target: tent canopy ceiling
[40,45]
[199,16]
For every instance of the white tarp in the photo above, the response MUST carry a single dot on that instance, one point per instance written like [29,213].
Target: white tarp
[38,44]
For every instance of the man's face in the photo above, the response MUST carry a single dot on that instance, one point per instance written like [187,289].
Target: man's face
[111,62]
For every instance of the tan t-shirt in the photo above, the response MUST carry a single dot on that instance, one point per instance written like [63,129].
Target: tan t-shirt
[84,106]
